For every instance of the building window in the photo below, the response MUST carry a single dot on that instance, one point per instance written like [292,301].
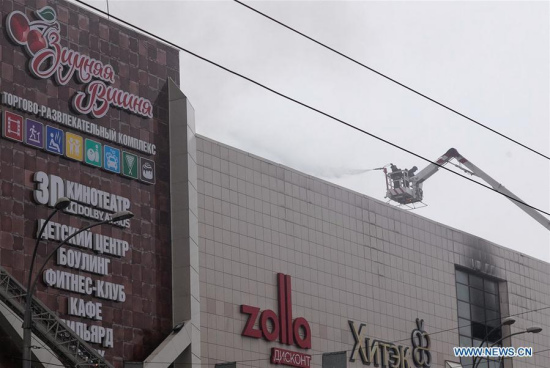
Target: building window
[226,365]
[478,313]
[335,360]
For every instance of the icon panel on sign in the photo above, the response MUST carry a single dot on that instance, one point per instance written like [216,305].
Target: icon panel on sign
[34,133]
[111,159]
[74,146]
[147,171]
[13,126]
[129,165]
[54,140]
[92,153]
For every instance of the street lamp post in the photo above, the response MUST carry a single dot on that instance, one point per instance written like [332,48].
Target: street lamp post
[533,330]
[27,322]
[61,204]
[505,322]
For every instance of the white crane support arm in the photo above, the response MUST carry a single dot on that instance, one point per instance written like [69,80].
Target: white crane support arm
[406,188]
[431,169]
[501,189]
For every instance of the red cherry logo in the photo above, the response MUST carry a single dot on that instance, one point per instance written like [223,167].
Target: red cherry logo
[19,27]
[35,41]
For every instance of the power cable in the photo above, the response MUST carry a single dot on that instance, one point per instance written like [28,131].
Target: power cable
[15,357]
[238,361]
[152,35]
[34,361]
[220,360]
[390,79]
[491,320]
[44,346]
[317,354]
[313,109]
[545,307]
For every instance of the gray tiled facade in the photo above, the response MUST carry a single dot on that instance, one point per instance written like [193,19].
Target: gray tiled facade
[350,257]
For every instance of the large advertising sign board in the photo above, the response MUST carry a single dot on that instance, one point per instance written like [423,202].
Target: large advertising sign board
[84,115]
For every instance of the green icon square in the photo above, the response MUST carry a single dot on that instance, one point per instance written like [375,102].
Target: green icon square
[129,165]
[93,153]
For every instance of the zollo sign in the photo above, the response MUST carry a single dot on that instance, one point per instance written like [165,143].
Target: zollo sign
[290,332]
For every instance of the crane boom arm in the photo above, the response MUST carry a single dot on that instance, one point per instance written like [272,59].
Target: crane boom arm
[428,171]
[431,169]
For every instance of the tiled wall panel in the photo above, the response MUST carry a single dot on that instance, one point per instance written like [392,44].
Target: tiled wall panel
[350,257]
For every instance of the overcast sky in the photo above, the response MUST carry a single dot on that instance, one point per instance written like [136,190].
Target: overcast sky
[489,60]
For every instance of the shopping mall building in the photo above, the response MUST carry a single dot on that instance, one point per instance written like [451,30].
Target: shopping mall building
[230,260]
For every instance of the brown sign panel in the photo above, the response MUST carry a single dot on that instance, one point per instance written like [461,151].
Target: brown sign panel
[85,116]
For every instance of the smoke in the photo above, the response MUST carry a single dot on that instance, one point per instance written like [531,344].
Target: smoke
[341,172]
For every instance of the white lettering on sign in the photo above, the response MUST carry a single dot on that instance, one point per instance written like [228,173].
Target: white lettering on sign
[77,123]
[41,194]
[80,260]
[69,281]
[99,243]
[111,246]
[137,144]
[84,285]
[83,261]
[94,334]
[94,197]
[290,358]
[110,291]
[49,188]
[81,308]
[59,232]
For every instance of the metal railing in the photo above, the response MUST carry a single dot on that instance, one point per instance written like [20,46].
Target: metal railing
[70,349]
